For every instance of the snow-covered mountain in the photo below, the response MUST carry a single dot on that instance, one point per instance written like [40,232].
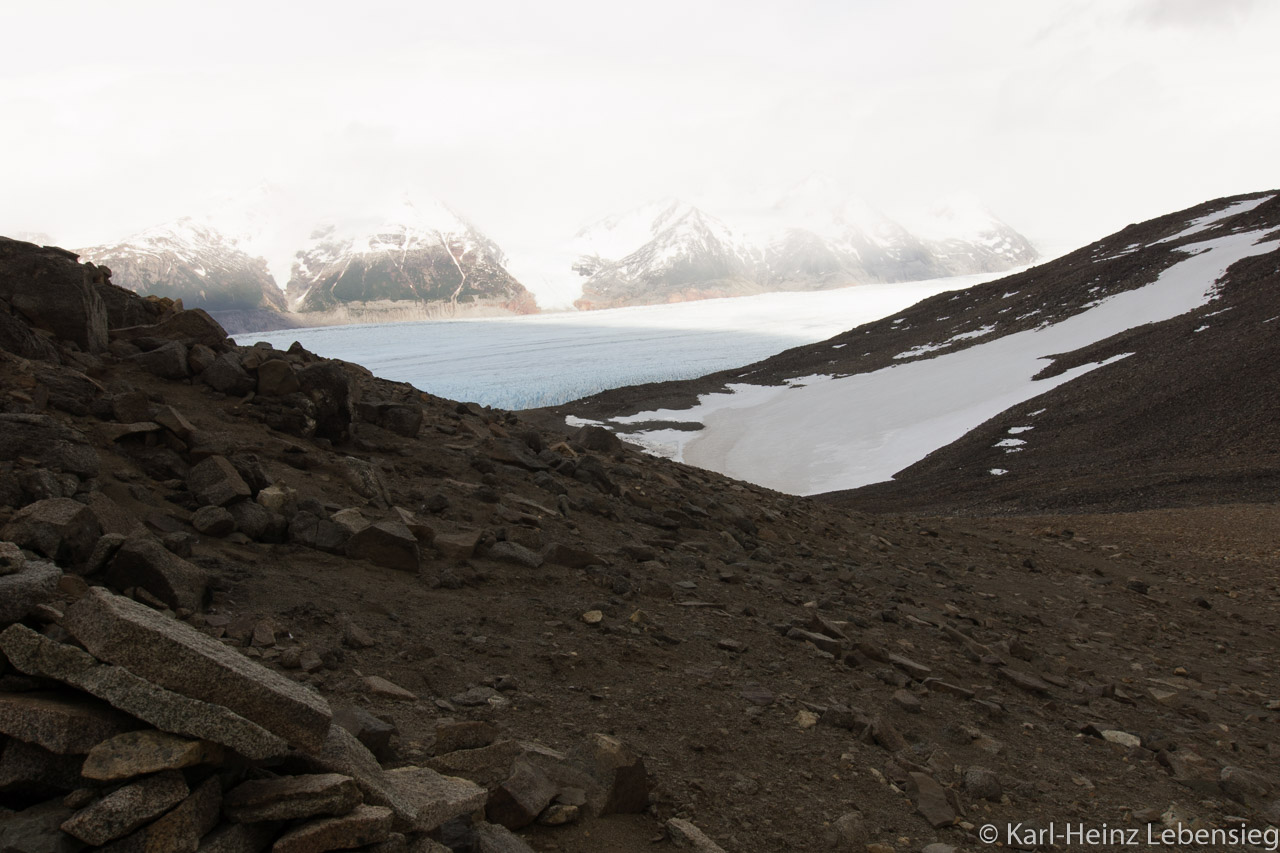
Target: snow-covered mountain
[814,238]
[1138,371]
[193,261]
[683,254]
[417,261]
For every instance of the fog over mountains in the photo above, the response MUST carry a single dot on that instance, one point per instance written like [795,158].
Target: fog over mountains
[252,264]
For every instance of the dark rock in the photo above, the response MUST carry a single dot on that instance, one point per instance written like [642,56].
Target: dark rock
[178,657]
[491,838]
[521,798]
[276,378]
[386,543]
[139,753]
[361,826]
[193,326]
[334,395]
[49,442]
[127,808]
[38,830]
[62,724]
[931,801]
[259,523]
[17,337]
[227,376]
[452,735]
[982,784]
[54,293]
[12,560]
[216,482]
[21,592]
[291,798]
[213,521]
[38,655]
[373,733]
[618,770]
[181,830]
[598,439]
[28,769]
[168,361]
[510,552]
[143,562]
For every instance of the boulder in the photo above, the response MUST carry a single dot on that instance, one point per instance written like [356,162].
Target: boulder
[22,591]
[619,771]
[227,376]
[143,561]
[61,529]
[17,337]
[519,800]
[54,293]
[191,327]
[334,395]
[214,521]
[168,361]
[434,799]
[386,543]
[216,482]
[180,658]
[276,378]
[38,655]
[48,442]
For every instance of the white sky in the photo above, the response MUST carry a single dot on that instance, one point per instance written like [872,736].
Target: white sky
[1069,118]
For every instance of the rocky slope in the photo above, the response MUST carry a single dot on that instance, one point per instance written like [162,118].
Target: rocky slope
[422,262]
[203,267]
[1164,413]
[331,611]
[811,240]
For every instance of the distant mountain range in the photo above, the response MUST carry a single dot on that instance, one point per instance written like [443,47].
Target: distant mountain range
[812,239]
[417,262]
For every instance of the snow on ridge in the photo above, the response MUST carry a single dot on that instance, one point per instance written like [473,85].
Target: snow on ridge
[1203,223]
[856,430]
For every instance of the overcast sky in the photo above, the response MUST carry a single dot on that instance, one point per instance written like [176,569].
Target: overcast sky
[1068,118]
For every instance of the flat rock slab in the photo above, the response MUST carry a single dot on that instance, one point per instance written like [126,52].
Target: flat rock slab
[1023,680]
[63,724]
[486,764]
[685,835]
[931,801]
[148,751]
[345,755]
[178,657]
[126,809]
[292,797]
[436,799]
[38,655]
[181,829]
[363,825]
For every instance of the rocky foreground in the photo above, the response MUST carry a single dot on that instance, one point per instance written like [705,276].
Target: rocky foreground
[254,599]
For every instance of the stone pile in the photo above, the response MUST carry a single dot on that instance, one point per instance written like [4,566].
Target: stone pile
[126,729]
